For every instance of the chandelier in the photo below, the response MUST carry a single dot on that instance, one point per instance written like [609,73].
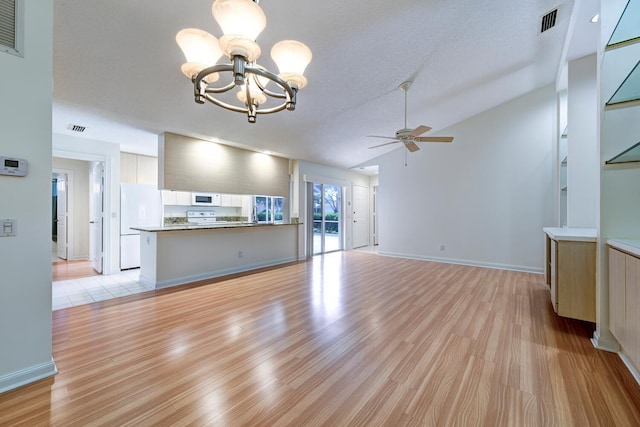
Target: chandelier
[241,22]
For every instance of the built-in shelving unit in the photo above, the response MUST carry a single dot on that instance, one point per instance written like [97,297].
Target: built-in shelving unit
[627,30]
[630,155]
[629,89]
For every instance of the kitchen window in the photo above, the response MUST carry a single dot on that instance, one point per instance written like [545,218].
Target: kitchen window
[268,209]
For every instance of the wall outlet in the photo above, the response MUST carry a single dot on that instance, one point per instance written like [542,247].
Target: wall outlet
[442,247]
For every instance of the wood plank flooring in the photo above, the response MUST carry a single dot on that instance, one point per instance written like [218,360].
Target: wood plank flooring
[65,270]
[343,339]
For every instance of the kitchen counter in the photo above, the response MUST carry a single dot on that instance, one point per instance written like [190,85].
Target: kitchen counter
[211,226]
[177,254]
[629,246]
[572,234]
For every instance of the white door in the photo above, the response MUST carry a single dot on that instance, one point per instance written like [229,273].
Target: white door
[360,216]
[61,216]
[96,215]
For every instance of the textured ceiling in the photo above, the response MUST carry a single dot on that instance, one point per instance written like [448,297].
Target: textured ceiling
[117,70]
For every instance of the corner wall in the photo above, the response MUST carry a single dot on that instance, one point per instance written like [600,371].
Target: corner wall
[484,198]
[25,265]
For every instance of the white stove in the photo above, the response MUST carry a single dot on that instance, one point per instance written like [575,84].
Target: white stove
[201,217]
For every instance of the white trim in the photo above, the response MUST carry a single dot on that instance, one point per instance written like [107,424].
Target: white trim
[604,344]
[521,268]
[630,367]
[27,376]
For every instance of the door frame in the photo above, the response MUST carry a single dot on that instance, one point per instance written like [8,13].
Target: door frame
[342,225]
[70,207]
[109,203]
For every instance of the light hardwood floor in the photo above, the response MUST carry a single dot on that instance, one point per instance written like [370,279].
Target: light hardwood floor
[343,339]
[65,270]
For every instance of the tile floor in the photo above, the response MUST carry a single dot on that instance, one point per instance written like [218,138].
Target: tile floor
[68,293]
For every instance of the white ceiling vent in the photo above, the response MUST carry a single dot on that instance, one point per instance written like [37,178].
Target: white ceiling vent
[11,26]
[548,20]
[76,128]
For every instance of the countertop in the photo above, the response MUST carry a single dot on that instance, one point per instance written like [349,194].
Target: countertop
[627,245]
[213,226]
[572,234]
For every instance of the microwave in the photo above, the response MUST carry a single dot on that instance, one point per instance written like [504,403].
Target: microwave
[205,199]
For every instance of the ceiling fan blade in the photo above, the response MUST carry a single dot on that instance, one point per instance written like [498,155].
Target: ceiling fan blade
[378,136]
[433,139]
[419,130]
[411,146]
[386,143]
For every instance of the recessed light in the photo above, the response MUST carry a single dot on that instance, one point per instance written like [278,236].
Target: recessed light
[595,18]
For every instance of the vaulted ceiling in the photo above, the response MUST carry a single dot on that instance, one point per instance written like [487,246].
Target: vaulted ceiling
[117,70]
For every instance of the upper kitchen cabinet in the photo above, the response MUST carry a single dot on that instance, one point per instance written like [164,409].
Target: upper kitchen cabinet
[138,169]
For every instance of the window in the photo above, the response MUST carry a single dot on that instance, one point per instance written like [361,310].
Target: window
[268,209]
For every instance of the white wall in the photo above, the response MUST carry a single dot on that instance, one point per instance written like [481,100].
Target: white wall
[80,205]
[25,264]
[485,197]
[582,144]
[72,147]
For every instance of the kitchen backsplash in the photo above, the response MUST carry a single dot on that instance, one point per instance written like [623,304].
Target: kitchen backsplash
[171,220]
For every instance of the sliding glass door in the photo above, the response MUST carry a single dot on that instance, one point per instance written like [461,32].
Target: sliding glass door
[327,218]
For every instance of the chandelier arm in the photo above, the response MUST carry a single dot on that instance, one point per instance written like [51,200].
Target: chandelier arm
[223,104]
[274,78]
[204,91]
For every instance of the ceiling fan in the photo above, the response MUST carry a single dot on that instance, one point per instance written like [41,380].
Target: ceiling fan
[409,137]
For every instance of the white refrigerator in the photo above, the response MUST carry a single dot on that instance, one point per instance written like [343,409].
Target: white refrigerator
[140,205]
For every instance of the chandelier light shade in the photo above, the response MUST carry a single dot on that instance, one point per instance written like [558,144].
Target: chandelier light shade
[292,58]
[241,22]
[201,50]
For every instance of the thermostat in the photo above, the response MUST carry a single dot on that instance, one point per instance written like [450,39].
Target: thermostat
[12,166]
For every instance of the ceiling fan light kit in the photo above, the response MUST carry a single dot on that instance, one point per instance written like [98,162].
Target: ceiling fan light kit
[408,136]
[241,22]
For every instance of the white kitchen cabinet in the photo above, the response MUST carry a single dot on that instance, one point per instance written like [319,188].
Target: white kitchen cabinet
[128,168]
[138,169]
[231,200]
[147,170]
[176,198]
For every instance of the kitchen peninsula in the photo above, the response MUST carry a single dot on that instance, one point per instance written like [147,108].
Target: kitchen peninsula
[178,254]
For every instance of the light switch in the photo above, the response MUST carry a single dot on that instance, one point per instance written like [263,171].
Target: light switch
[8,227]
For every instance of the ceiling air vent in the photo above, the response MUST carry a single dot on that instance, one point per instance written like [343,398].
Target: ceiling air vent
[76,128]
[11,26]
[548,21]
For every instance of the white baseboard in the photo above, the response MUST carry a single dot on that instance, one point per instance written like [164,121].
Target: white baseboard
[630,367]
[28,375]
[471,263]
[604,344]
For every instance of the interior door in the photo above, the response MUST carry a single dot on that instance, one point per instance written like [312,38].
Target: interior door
[360,216]
[61,216]
[96,215]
